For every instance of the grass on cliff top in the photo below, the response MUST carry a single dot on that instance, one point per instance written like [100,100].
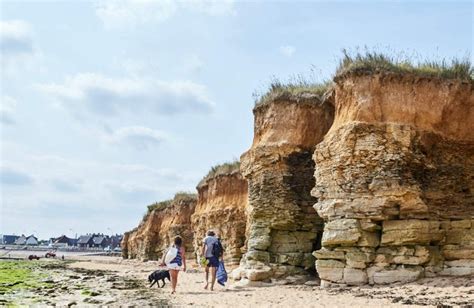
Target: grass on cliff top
[370,61]
[367,61]
[179,196]
[296,86]
[225,168]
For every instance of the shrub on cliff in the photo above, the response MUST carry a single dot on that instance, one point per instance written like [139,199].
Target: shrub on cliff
[158,205]
[369,61]
[178,197]
[296,87]
[225,168]
[184,196]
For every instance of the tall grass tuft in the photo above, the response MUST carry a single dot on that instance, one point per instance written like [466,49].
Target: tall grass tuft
[179,196]
[370,61]
[225,168]
[295,86]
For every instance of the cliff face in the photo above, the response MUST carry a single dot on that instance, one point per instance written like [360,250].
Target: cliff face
[159,227]
[282,226]
[394,180]
[124,244]
[222,201]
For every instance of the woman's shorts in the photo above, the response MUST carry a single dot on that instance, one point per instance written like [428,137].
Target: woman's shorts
[173,266]
[212,262]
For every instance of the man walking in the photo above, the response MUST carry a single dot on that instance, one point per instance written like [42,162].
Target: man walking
[212,260]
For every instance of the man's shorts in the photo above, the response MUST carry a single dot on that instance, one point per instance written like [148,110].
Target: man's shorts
[212,262]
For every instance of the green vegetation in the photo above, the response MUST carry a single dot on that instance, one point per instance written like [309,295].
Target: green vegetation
[184,196]
[179,196]
[159,205]
[225,168]
[367,61]
[370,61]
[16,275]
[294,87]
[87,292]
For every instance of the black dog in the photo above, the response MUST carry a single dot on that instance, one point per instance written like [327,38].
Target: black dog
[159,275]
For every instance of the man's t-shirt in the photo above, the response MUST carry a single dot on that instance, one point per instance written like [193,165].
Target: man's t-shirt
[209,242]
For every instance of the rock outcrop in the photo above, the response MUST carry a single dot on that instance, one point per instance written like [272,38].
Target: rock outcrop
[158,228]
[124,243]
[221,206]
[394,180]
[282,226]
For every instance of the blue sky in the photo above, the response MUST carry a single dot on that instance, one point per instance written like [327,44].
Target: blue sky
[109,106]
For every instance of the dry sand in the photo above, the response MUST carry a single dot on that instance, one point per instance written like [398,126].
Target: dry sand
[441,291]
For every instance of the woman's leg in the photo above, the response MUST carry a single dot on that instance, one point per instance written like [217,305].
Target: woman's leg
[174,280]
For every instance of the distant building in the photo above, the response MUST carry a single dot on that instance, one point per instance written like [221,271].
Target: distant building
[73,242]
[21,240]
[115,241]
[63,241]
[27,240]
[8,239]
[32,240]
[101,241]
[85,241]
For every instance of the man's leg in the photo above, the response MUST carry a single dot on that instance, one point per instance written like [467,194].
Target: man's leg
[207,277]
[213,277]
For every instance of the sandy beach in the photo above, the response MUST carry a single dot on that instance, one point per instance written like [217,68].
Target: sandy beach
[111,281]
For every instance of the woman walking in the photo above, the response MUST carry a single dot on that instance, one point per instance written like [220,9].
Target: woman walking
[174,265]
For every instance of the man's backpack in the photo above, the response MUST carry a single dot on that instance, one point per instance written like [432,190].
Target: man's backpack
[217,249]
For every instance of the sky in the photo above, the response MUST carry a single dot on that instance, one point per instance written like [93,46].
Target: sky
[108,106]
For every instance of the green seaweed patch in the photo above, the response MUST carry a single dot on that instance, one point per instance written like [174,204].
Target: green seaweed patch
[21,275]
[87,292]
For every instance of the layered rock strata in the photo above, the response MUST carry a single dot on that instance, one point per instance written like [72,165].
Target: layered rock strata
[395,180]
[221,206]
[282,226]
[159,226]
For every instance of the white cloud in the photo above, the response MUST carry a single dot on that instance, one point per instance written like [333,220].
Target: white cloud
[139,137]
[91,175]
[287,50]
[14,177]
[130,13]
[118,13]
[7,110]
[15,37]
[66,185]
[110,96]
[193,63]
[211,7]
[35,183]
[17,49]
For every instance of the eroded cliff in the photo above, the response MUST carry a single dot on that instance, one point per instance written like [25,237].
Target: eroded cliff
[158,228]
[221,206]
[394,180]
[282,226]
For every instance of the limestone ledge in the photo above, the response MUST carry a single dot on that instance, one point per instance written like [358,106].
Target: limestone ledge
[408,250]
[386,171]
